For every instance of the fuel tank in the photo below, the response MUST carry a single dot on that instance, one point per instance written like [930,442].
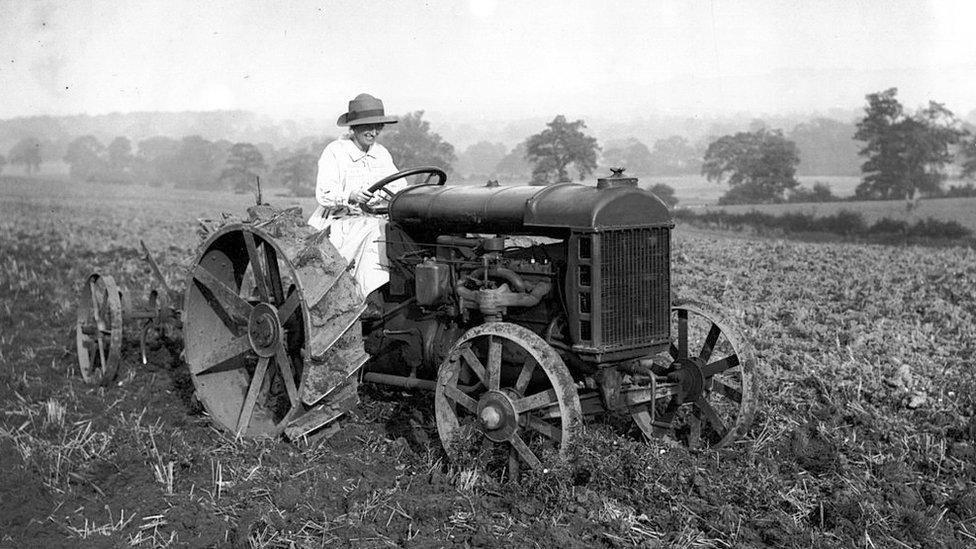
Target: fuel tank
[527,209]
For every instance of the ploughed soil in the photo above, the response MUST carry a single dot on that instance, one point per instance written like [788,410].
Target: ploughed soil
[864,438]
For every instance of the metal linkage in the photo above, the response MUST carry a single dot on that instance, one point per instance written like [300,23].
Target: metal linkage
[103,312]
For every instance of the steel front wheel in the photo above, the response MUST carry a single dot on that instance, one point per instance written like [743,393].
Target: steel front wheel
[711,367]
[501,386]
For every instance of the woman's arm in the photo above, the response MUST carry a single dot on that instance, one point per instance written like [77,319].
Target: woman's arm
[329,191]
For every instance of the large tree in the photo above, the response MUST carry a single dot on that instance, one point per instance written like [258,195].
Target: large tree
[553,150]
[297,172]
[906,155]
[85,158]
[760,166]
[245,164]
[120,159]
[412,144]
[27,153]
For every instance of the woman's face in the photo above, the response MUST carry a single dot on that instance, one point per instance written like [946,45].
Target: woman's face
[364,135]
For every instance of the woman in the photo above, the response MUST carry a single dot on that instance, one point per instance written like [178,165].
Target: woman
[347,167]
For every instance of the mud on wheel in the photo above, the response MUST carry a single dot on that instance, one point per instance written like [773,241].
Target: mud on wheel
[504,388]
[712,367]
[261,306]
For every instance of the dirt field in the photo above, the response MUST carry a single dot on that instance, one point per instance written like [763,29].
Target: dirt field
[865,435]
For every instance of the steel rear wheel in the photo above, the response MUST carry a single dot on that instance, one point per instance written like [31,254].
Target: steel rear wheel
[261,306]
[502,386]
[98,329]
[713,368]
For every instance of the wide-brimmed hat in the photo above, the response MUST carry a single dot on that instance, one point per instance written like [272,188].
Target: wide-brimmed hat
[365,109]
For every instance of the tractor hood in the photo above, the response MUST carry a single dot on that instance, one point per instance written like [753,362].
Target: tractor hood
[527,209]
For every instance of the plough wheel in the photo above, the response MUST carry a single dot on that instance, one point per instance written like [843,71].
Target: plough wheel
[98,330]
[505,385]
[263,304]
[713,367]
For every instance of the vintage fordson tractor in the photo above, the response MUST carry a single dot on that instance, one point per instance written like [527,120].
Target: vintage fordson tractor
[525,310]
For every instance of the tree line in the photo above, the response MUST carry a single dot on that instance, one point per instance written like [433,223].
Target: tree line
[907,155]
[826,147]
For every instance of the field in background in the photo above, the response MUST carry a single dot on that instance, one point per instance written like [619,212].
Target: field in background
[695,190]
[691,191]
[960,210]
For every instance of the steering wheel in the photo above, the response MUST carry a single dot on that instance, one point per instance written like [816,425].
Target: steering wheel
[387,196]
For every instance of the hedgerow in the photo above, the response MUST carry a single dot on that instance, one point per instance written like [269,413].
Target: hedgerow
[844,222]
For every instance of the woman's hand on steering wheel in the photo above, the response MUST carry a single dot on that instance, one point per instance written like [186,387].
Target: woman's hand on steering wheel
[379,189]
[360,196]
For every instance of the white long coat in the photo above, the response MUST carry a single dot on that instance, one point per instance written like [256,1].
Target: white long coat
[343,169]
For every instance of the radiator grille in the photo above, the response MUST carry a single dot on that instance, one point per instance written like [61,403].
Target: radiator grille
[635,286]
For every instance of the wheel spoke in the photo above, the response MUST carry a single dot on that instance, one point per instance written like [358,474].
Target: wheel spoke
[536,416]
[289,307]
[284,365]
[524,452]
[538,400]
[682,333]
[475,364]
[710,341]
[222,358]
[494,363]
[711,416]
[253,391]
[232,309]
[513,465]
[705,341]
[727,391]
[547,429]
[93,293]
[522,383]
[98,322]
[720,366]
[694,431]
[274,274]
[455,394]
[260,278]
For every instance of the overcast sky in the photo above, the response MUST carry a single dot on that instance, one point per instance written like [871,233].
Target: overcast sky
[488,58]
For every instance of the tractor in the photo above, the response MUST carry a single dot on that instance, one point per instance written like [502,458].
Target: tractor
[525,310]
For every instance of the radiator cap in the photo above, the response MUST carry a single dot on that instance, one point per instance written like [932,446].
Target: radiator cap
[616,180]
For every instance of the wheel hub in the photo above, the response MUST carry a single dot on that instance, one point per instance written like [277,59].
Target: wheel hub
[263,329]
[689,377]
[497,415]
